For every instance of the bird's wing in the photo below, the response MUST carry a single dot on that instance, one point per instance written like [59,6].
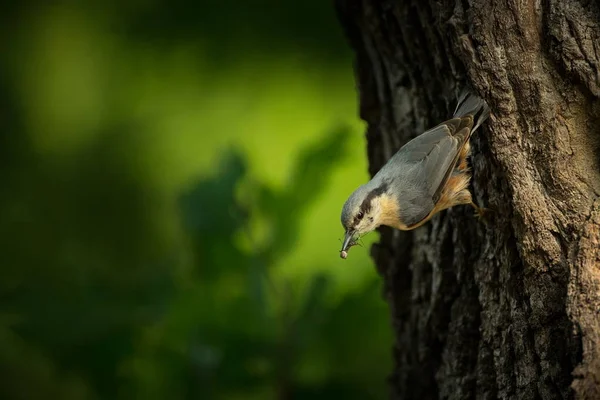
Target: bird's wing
[435,153]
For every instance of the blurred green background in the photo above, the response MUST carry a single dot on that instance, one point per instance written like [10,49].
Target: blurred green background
[172,178]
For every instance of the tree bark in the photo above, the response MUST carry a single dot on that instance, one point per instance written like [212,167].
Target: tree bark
[508,309]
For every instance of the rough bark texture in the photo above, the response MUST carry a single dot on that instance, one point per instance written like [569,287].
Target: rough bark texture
[509,309]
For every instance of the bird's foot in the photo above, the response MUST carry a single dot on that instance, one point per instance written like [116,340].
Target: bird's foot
[482,213]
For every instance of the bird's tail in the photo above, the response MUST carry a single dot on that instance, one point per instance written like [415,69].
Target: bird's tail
[471,104]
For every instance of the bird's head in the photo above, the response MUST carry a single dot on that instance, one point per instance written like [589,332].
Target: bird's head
[367,207]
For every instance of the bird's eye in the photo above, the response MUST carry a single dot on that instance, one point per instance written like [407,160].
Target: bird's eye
[360,215]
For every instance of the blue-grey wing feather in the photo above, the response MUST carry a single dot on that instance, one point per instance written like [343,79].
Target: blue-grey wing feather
[427,158]
[419,168]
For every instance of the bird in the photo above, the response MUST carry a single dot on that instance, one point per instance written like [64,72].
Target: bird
[427,175]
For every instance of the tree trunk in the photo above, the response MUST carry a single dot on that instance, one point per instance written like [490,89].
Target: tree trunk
[508,309]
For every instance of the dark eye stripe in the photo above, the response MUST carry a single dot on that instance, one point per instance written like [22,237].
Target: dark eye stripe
[365,207]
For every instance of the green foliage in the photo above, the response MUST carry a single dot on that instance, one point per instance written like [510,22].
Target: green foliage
[103,319]
[235,331]
[140,259]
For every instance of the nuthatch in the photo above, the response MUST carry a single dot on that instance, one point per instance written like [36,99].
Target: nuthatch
[427,175]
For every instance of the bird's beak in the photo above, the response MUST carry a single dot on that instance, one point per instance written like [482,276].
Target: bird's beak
[347,239]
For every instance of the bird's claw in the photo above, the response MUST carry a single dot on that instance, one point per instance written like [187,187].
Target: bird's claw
[483,213]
